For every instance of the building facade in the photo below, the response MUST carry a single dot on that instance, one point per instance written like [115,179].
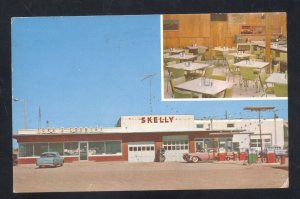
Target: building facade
[139,138]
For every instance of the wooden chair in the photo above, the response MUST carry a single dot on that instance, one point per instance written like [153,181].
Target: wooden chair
[228,92]
[182,94]
[281,90]
[266,89]
[248,75]
[218,77]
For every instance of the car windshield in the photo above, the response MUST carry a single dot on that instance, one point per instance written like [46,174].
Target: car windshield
[48,155]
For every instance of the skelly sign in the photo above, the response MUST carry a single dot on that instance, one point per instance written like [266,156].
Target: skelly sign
[157,119]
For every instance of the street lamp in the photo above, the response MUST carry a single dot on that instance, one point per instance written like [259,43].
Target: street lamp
[25,111]
[259,109]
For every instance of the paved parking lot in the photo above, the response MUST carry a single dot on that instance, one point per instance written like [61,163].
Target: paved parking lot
[119,176]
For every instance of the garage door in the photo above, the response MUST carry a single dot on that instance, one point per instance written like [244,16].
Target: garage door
[141,152]
[175,146]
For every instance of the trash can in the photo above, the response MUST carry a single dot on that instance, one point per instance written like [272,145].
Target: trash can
[252,156]
[282,159]
[271,157]
[221,156]
[243,154]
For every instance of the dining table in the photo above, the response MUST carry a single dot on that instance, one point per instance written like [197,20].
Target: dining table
[279,78]
[224,50]
[182,57]
[240,55]
[205,86]
[189,66]
[173,50]
[251,64]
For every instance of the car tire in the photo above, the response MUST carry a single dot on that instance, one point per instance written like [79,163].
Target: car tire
[195,159]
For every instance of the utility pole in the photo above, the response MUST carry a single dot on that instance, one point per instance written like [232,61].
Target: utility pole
[259,109]
[25,114]
[275,131]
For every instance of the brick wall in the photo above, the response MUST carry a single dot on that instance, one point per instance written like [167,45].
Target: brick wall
[125,138]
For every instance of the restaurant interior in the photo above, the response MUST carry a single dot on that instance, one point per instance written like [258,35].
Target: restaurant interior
[225,55]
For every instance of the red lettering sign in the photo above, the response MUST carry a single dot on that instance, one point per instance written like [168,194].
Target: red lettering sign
[150,119]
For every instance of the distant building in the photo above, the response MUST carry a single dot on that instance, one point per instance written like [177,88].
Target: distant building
[138,138]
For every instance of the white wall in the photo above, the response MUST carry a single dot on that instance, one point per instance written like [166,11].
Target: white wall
[249,125]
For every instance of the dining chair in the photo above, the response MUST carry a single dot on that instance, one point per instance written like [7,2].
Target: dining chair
[266,89]
[276,68]
[228,92]
[281,90]
[234,71]
[182,94]
[283,57]
[202,52]
[199,59]
[175,72]
[209,71]
[219,56]
[176,81]
[218,77]
[232,50]
[252,57]
[248,75]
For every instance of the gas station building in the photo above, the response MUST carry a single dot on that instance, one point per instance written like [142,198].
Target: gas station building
[138,138]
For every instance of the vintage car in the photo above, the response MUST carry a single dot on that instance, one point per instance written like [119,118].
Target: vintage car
[198,156]
[50,159]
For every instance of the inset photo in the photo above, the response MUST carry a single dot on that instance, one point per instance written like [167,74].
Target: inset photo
[225,55]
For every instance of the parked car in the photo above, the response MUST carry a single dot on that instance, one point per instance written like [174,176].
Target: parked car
[50,159]
[198,156]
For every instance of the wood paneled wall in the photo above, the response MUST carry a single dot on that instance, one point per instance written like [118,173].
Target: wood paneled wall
[197,28]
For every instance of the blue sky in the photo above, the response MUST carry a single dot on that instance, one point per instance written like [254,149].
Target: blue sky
[87,71]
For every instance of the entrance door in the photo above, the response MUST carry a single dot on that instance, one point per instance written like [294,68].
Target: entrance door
[83,151]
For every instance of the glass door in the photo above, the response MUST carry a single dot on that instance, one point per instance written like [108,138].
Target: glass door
[83,151]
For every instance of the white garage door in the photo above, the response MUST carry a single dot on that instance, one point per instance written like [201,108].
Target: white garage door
[141,152]
[175,146]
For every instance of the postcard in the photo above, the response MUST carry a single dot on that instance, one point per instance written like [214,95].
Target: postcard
[150,102]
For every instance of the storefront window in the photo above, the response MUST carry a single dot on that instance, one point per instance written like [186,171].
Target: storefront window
[56,147]
[96,148]
[25,150]
[110,147]
[207,144]
[71,148]
[113,147]
[40,148]
[255,143]
[267,143]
